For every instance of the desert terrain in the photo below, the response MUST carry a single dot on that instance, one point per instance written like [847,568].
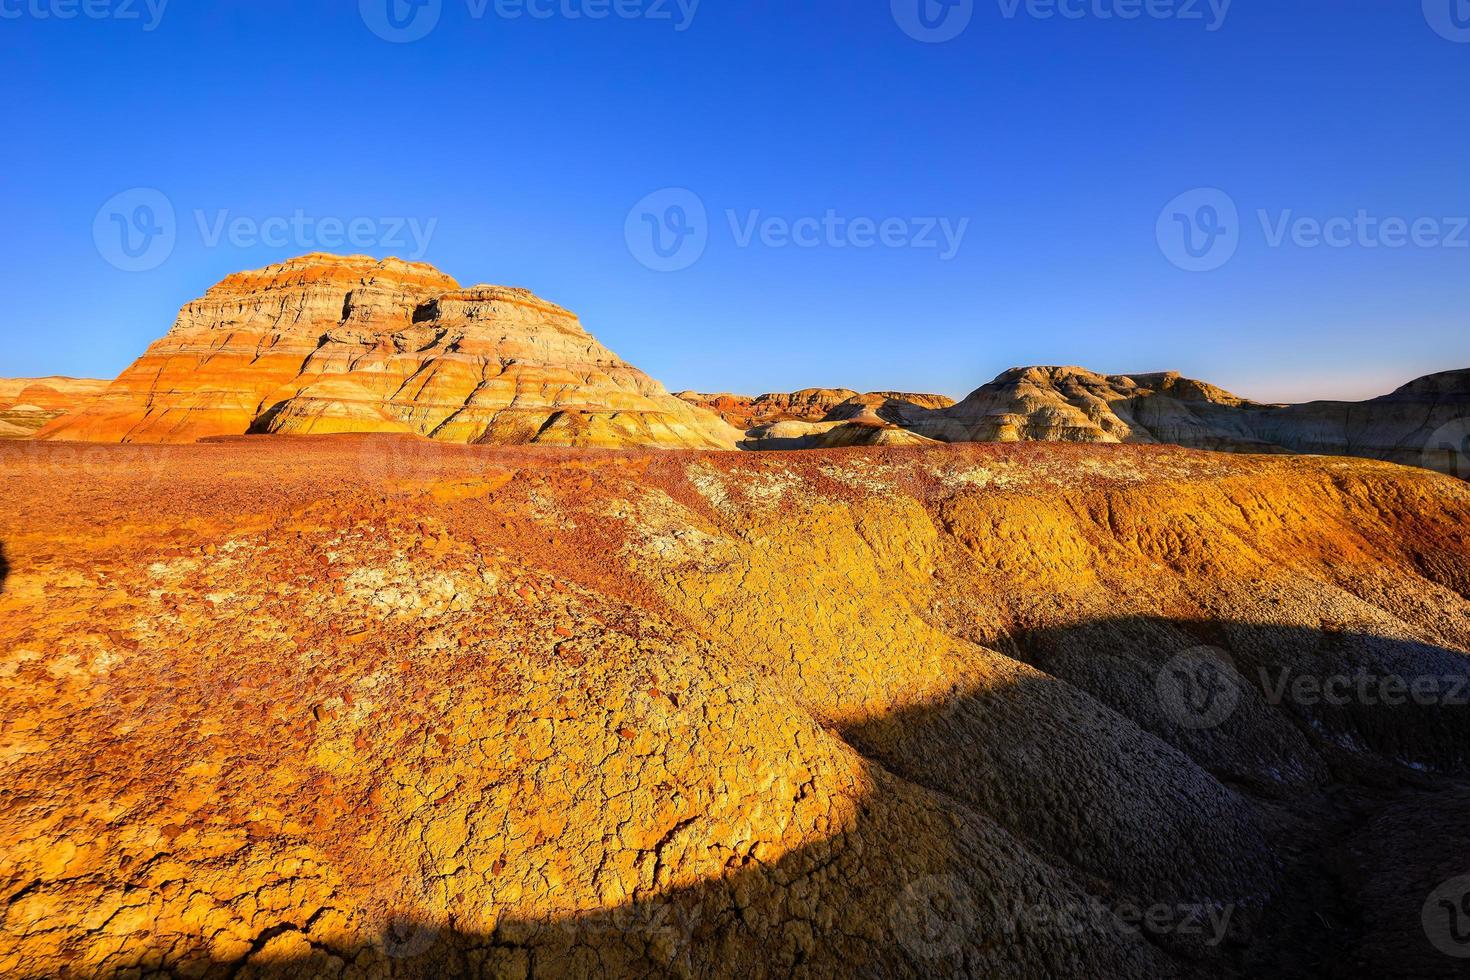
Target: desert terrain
[379,706]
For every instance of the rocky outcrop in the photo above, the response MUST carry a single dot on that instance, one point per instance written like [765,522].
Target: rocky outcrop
[865,430]
[895,407]
[812,405]
[274,708]
[26,404]
[744,412]
[325,344]
[1424,423]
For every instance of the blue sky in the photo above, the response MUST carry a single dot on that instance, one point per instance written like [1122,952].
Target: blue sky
[521,146]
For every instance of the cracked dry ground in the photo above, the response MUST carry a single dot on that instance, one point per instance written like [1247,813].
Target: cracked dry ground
[368,707]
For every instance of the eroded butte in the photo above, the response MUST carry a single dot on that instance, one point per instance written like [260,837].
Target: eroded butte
[376,706]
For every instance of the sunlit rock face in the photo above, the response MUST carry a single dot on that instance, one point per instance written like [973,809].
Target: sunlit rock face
[379,706]
[806,405]
[326,344]
[1424,423]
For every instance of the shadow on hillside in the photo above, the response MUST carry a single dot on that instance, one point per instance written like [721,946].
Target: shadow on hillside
[1242,698]
[941,884]
[4,566]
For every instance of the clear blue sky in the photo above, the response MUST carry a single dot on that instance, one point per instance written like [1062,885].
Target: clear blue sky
[529,140]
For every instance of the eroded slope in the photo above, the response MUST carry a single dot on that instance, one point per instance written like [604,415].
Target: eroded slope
[377,706]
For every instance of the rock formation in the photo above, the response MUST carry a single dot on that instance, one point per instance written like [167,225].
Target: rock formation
[272,709]
[744,412]
[807,405]
[26,404]
[1070,404]
[324,344]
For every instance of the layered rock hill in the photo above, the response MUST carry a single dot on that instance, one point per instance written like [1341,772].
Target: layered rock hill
[26,404]
[806,405]
[384,707]
[1071,404]
[324,344]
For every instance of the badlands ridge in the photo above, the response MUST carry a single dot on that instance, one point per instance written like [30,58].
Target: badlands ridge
[371,707]
[326,344]
[362,704]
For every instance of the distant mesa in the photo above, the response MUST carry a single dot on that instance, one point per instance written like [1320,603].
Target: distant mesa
[27,404]
[329,344]
[1072,404]
[806,405]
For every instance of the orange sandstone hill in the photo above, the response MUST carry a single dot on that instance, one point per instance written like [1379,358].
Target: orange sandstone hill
[1424,423]
[26,404]
[327,344]
[806,405]
[269,709]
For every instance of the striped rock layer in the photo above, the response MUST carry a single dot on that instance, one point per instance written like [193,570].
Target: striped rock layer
[327,344]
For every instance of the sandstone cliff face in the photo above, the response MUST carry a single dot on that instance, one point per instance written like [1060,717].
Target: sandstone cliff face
[807,405]
[324,344]
[744,412]
[1070,404]
[26,404]
[269,711]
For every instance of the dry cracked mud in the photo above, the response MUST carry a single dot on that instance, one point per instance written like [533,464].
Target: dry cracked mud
[379,707]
